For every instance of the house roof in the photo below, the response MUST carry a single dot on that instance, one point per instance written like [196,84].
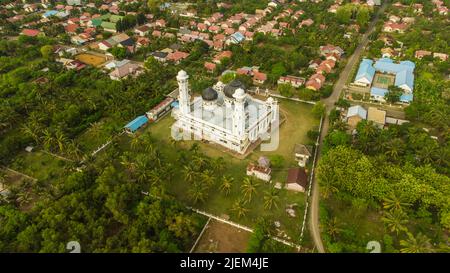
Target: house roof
[124,70]
[160,54]
[259,76]
[30,32]
[378,91]
[297,176]
[366,70]
[357,110]
[376,115]
[237,36]
[210,66]
[137,123]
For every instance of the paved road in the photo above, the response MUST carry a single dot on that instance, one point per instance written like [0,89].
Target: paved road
[329,103]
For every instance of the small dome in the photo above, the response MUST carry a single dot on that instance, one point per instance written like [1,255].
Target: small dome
[229,89]
[239,93]
[209,94]
[182,74]
[270,100]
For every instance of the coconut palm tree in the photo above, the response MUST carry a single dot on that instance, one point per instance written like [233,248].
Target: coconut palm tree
[135,142]
[28,130]
[248,187]
[48,139]
[74,149]
[61,140]
[239,208]
[394,148]
[425,154]
[271,198]
[226,184]
[127,163]
[189,173]
[395,221]
[327,189]
[197,192]
[207,177]
[200,161]
[418,244]
[333,228]
[394,202]
[219,165]
[96,129]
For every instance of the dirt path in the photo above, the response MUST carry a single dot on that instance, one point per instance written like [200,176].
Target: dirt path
[314,225]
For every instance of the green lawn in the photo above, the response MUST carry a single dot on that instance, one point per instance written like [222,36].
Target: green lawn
[39,165]
[298,121]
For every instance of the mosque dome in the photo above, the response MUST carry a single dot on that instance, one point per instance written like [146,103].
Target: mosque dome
[230,88]
[209,94]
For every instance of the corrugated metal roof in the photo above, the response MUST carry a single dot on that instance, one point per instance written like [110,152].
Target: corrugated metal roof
[378,91]
[137,123]
[366,70]
[357,110]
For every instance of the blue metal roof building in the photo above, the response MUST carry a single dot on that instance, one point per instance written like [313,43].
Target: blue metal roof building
[237,37]
[357,110]
[365,71]
[49,13]
[137,123]
[404,76]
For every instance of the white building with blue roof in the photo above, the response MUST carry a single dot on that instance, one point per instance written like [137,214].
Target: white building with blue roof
[402,71]
[365,73]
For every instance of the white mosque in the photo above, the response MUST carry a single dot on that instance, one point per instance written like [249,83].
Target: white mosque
[223,114]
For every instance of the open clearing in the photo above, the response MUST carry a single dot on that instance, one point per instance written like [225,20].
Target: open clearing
[222,238]
[91,59]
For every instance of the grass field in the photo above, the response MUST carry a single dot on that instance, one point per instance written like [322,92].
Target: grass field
[39,165]
[90,59]
[219,237]
[298,121]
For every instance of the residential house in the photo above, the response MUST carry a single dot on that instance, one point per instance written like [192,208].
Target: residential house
[30,32]
[315,82]
[142,30]
[160,56]
[442,56]
[297,180]
[177,56]
[259,77]
[378,117]
[224,54]
[292,80]
[210,66]
[419,54]
[126,70]
[354,115]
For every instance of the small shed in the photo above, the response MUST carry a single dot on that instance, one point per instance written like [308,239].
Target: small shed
[135,124]
[297,180]
[302,154]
